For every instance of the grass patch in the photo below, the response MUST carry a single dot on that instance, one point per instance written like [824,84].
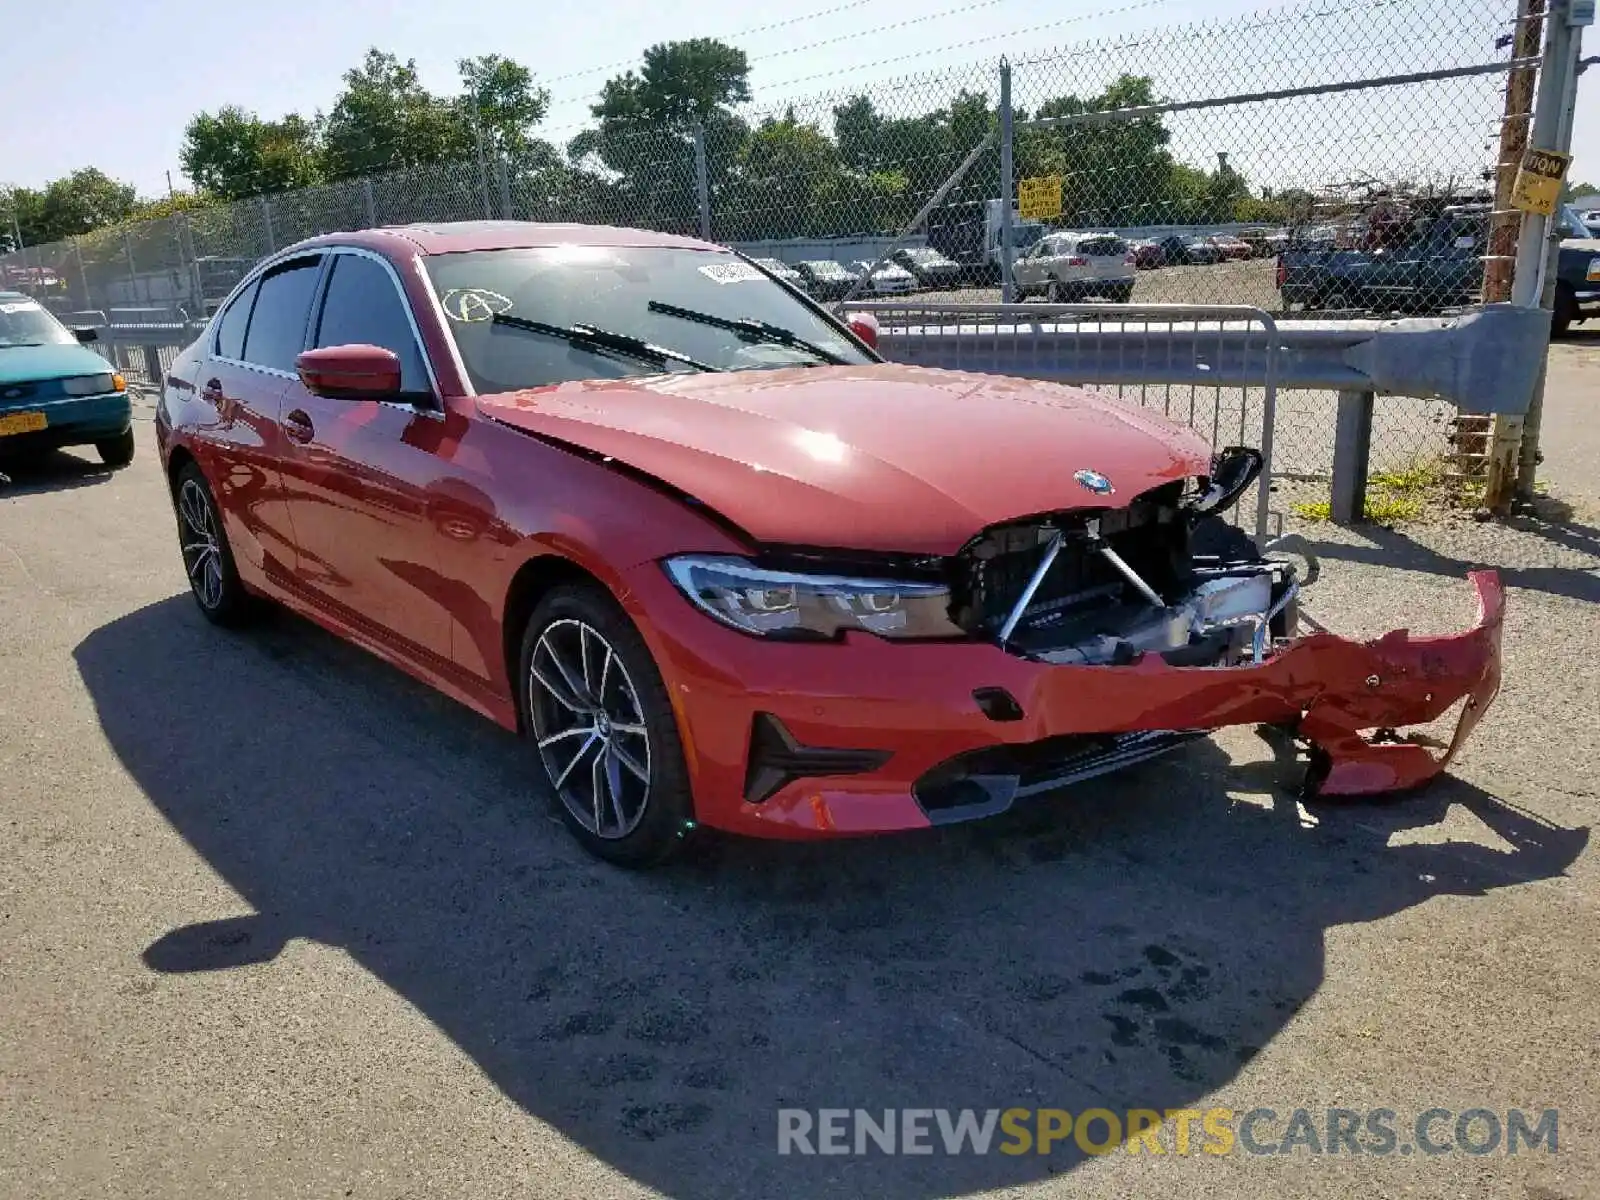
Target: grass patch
[1396,497]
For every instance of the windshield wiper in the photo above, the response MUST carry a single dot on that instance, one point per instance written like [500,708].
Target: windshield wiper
[587,337]
[751,330]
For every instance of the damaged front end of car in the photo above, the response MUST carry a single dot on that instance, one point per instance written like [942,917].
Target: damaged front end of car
[1190,628]
[1052,649]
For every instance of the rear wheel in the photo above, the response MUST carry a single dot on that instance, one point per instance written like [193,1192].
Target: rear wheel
[1122,295]
[1337,301]
[117,451]
[207,557]
[594,706]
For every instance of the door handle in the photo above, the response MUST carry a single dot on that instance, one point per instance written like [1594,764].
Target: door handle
[297,427]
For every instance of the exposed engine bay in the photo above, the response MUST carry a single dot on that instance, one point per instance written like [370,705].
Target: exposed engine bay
[1162,575]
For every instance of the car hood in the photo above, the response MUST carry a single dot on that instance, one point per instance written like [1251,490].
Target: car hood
[871,457]
[29,364]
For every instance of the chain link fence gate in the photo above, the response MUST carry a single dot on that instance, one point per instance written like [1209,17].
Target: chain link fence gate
[1319,159]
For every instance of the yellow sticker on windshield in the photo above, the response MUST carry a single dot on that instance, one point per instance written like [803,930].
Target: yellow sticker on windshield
[473,305]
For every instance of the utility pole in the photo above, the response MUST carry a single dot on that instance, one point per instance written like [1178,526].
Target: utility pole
[483,164]
[1493,440]
[1540,246]
[1008,187]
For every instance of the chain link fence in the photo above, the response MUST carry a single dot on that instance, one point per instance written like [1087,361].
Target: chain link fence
[1158,167]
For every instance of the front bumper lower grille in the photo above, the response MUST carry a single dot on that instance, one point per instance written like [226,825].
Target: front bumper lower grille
[983,782]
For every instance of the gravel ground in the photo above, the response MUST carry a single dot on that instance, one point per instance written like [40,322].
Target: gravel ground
[275,921]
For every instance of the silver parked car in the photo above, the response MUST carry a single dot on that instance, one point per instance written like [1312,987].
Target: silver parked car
[783,271]
[1067,267]
[887,280]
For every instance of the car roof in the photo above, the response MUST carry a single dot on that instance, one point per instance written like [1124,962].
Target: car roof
[453,237]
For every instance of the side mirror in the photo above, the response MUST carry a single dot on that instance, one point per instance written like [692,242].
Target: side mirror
[865,326]
[354,372]
[86,334]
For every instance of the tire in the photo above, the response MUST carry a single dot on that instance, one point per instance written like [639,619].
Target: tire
[1053,293]
[1566,313]
[584,667]
[1336,301]
[207,558]
[118,451]
[1122,295]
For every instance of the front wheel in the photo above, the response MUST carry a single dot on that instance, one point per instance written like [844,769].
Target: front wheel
[596,709]
[118,451]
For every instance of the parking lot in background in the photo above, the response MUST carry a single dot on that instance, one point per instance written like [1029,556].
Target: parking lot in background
[277,921]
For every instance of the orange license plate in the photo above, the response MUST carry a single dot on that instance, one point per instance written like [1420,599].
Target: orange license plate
[23,422]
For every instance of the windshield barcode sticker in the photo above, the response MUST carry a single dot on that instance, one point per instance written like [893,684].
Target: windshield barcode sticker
[17,306]
[734,272]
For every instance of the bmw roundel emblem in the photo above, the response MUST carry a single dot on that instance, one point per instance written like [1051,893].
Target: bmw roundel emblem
[1095,482]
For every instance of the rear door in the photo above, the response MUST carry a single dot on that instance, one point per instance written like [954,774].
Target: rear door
[240,442]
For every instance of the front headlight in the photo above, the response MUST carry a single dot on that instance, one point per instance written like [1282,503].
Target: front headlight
[788,604]
[90,385]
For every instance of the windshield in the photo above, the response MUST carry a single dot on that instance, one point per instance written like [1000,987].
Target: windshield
[25,322]
[621,290]
[1572,223]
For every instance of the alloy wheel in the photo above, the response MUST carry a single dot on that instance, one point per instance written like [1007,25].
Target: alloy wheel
[202,548]
[589,727]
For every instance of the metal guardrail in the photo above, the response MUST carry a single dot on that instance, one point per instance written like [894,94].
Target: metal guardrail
[1482,361]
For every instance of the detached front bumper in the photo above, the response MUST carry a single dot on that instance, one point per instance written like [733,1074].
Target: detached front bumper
[865,736]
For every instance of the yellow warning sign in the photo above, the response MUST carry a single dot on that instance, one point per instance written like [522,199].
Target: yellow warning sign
[1039,198]
[1538,186]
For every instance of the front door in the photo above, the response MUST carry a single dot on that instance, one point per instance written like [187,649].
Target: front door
[359,473]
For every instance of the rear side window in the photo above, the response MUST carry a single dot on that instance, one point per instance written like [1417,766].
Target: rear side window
[363,306]
[230,329]
[1103,247]
[278,322]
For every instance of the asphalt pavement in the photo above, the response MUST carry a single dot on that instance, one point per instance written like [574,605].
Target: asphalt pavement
[276,921]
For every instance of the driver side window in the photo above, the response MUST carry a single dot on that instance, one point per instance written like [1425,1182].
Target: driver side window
[361,305]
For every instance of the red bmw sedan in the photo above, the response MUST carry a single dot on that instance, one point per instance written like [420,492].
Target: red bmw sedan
[722,565]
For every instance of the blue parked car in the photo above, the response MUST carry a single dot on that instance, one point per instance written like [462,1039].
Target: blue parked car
[55,392]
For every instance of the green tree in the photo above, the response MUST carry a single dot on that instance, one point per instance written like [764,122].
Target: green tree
[384,118]
[1114,172]
[499,97]
[639,158]
[232,153]
[74,204]
[1576,188]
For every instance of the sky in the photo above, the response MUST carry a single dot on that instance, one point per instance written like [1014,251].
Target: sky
[151,64]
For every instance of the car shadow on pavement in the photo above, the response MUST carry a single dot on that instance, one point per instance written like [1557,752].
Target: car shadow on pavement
[1128,945]
[1549,522]
[56,471]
